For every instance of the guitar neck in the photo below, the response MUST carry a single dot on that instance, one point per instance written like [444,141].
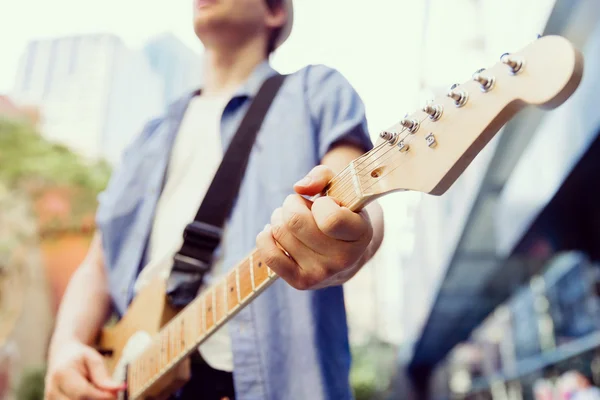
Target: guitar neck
[199,320]
[219,303]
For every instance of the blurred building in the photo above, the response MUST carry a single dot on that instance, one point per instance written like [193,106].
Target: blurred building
[179,67]
[94,93]
[501,289]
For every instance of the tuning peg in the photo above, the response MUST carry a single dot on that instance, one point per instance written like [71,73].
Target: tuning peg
[411,124]
[389,136]
[514,63]
[434,111]
[486,82]
[460,97]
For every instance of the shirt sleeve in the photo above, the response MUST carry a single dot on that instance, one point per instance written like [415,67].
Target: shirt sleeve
[337,110]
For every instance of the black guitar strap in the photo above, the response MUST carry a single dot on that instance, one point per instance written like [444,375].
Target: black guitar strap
[202,236]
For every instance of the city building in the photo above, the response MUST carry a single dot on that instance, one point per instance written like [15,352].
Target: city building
[179,67]
[94,93]
[512,292]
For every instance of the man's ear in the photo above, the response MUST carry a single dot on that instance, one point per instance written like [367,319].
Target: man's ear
[276,18]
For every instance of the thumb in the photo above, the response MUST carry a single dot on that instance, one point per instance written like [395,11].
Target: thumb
[315,181]
[99,374]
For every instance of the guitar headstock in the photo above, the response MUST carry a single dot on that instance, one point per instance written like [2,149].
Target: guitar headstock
[429,149]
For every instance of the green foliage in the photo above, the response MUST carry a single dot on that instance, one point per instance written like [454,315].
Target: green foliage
[31,386]
[29,163]
[372,367]
[26,156]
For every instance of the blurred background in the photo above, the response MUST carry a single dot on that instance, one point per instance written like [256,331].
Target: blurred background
[490,291]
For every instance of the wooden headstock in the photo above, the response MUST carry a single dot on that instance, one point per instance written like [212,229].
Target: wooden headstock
[429,149]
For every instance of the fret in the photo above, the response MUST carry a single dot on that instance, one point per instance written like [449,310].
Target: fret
[203,310]
[164,352]
[209,312]
[189,333]
[252,271]
[214,305]
[232,297]
[197,310]
[261,275]
[221,304]
[226,296]
[153,359]
[245,287]
[182,337]
[171,343]
[237,283]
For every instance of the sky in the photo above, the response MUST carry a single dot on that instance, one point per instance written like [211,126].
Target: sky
[361,43]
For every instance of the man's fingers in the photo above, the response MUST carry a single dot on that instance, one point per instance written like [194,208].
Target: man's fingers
[74,386]
[339,222]
[296,218]
[315,181]
[99,375]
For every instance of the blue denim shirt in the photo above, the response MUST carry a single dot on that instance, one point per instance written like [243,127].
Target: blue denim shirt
[287,344]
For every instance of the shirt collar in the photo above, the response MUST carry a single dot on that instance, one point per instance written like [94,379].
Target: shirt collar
[260,73]
[248,89]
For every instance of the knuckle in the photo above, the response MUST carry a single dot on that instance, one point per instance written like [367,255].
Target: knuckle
[272,258]
[289,200]
[333,223]
[295,221]
[278,232]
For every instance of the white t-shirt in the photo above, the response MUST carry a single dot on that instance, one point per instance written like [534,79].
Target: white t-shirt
[196,155]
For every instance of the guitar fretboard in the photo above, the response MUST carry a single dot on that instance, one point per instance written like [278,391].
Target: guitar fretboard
[198,320]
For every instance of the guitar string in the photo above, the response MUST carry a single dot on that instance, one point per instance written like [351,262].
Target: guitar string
[395,154]
[346,171]
[392,151]
[389,151]
[364,158]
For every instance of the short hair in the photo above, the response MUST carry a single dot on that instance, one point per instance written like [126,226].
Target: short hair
[273,5]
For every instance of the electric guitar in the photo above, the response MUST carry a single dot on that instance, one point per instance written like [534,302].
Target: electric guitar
[426,151]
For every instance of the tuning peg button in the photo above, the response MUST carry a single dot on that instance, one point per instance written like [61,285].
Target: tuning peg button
[460,97]
[434,111]
[513,62]
[487,83]
[389,136]
[411,124]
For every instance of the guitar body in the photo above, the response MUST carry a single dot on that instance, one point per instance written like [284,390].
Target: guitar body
[124,341]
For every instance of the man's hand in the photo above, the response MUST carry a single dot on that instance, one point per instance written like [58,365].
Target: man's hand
[78,372]
[325,243]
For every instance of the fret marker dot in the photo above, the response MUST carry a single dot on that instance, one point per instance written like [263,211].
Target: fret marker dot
[259,264]
[231,289]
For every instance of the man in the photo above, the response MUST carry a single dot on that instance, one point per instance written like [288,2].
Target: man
[290,343]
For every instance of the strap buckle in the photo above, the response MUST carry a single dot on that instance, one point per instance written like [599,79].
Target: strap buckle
[192,262]
[189,265]
[202,235]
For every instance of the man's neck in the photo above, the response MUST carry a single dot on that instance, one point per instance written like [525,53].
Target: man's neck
[227,68]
